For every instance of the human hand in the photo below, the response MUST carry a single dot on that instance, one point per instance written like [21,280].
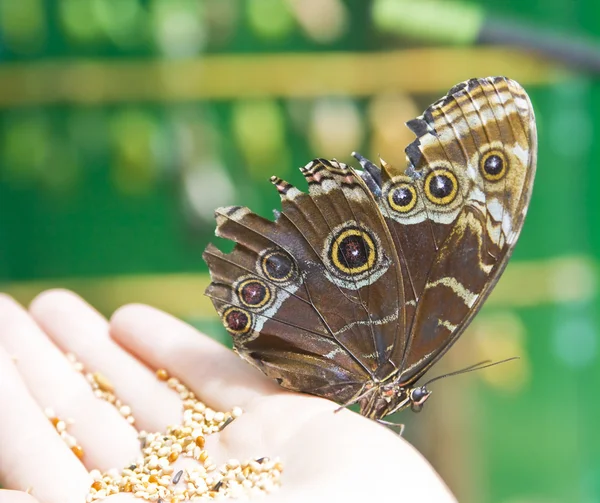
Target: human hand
[326,456]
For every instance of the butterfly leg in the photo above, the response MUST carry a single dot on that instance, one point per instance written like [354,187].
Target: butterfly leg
[393,426]
[361,394]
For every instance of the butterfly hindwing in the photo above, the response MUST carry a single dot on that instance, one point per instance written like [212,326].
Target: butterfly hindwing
[313,298]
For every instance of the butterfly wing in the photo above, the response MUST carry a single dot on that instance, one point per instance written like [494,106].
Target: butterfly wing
[456,213]
[312,299]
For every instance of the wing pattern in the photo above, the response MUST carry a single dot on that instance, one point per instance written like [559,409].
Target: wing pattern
[456,213]
[372,275]
[313,299]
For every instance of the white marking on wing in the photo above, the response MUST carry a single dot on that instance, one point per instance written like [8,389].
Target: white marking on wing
[382,321]
[500,214]
[334,352]
[521,153]
[372,356]
[237,215]
[494,232]
[467,296]
[477,195]
[264,316]
[496,209]
[358,281]
[415,218]
[329,185]
[487,116]
[438,217]
[293,193]
[522,104]
[354,193]
[472,172]
[447,324]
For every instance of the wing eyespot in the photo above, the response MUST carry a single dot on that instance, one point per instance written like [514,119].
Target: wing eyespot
[493,165]
[402,197]
[277,266]
[353,256]
[353,251]
[441,186]
[254,293]
[237,321]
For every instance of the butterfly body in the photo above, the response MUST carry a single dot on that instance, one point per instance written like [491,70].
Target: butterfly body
[389,397]
[360,285]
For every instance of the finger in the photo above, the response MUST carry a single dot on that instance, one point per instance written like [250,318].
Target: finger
[7,496]
[79,329]
[33,455]
[214,373]
[107,439]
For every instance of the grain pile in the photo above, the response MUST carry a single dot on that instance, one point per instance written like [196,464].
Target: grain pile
[154,476]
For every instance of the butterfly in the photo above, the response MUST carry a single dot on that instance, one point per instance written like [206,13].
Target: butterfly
[361,285]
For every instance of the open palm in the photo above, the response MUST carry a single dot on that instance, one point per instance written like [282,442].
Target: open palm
[326,456]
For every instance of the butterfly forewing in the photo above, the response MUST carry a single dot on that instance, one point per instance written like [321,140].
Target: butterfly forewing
[473,167]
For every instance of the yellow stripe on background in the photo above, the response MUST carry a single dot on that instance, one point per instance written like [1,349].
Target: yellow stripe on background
[524,284]
[278,75]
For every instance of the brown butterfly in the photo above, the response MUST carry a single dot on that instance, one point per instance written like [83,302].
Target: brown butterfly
[358,287]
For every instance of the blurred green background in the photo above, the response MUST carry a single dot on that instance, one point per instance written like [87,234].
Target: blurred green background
[124,123]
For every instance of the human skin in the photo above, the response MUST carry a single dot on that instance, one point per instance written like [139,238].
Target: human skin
[326,456]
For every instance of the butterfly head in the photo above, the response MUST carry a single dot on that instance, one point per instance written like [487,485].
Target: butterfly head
[393,397]
[417,397]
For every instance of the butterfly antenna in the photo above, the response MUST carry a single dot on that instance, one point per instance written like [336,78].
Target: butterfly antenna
[478,366]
